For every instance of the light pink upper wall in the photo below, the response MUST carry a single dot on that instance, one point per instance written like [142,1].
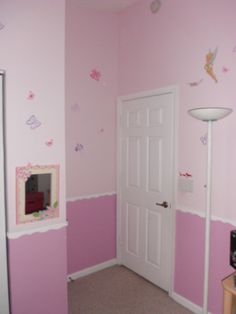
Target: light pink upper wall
[91,44]
[169,48]
[32,53]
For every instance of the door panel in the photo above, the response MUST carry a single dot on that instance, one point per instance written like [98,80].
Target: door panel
[132,229]
[146,179]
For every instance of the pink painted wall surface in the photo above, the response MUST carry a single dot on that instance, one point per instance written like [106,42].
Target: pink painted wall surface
[37,273]
[32,45]
[32,53]
[189,266]
[168,48]
[91,44]
[91,234]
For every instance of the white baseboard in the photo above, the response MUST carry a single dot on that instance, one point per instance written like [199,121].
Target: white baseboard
[93,269]
[186,303]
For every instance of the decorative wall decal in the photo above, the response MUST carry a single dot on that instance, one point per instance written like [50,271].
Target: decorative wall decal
[186,174]
[24,173]
[1,26]
[30,95]
[95,75]
[225,69]
[36,202]
[33,122]
[74,107]
[210,59]
[101,130]
[204,139]
[49,143]
[196,83]
[155,6]
[79,147]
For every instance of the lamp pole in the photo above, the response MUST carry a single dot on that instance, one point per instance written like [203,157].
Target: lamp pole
[208,115]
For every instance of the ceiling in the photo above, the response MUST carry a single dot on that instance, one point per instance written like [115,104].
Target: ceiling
[106,5]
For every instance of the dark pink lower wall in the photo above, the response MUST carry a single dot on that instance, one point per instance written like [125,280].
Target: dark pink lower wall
[91,232]
[189,259]
[38,278]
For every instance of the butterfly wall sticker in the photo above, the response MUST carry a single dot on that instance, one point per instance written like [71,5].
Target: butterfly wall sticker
[49,143]
[79,147]
[31,95]
[1,26]
[33,122]
[225,69]
[74,107]
[195,83]
[155,6]
[204,139]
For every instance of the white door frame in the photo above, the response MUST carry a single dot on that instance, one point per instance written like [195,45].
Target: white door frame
[175,91]
[4,293]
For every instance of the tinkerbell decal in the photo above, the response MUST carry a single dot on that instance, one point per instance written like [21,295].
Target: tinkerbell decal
[210,58]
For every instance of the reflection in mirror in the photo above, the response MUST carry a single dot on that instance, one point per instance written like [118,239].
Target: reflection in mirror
[37,193]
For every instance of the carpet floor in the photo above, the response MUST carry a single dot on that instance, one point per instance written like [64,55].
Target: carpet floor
[117,290]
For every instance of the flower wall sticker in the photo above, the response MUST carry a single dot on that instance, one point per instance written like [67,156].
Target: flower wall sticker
[210,59]
[195,83]
[33,122]
[24,172]
[31,95]
[95,75]
[79,147]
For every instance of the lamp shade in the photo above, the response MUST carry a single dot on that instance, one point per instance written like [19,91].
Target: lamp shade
[210,113]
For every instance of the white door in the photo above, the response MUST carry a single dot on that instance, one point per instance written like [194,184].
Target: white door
[4,303]
[146,180]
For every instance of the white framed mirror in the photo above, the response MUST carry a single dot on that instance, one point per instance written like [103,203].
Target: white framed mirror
[37,193]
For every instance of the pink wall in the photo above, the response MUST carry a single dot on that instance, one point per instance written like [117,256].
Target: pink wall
[91,234]
[189,259]
[37,273]
[32,53]
[91,44]
[168,48]
[157,50]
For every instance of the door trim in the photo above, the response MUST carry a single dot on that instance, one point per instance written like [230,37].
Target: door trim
[120,100]
[4,298]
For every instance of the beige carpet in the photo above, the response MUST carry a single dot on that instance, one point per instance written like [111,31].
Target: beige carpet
[117,290]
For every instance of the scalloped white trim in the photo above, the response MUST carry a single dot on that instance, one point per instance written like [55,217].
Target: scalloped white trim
[202,215]
[18,234]
[86,197]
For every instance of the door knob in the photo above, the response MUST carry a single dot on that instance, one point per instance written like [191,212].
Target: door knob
[164,204]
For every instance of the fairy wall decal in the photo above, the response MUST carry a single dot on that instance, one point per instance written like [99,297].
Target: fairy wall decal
[210,59]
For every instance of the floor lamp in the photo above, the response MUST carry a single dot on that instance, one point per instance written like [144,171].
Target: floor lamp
[208,115]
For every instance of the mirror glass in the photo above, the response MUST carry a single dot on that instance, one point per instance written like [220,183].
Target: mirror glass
[37,193]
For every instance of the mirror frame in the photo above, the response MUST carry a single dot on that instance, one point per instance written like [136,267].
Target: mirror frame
[22,175]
